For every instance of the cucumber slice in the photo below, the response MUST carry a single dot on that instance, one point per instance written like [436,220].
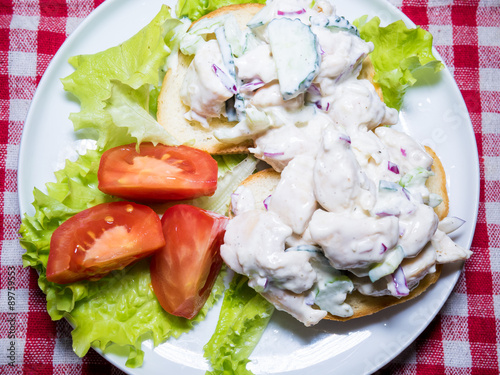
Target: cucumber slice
[331,296]
[295,53]
[339,22]
[225,50]
[262,17]
[392,261]
[334,23]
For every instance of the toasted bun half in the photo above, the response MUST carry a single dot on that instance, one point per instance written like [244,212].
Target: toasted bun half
[263,183]
[171,110]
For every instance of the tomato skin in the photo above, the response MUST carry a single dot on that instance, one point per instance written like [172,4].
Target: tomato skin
[101,239]
[183,272]
[157,173]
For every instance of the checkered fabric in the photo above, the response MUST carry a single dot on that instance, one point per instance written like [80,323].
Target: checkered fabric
[462,339]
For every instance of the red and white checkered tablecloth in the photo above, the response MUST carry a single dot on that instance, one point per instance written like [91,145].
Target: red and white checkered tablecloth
[463,339]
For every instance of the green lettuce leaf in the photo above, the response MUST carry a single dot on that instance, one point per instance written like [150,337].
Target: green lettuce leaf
[401,56]
[243,318]
[129,108]
[194,9]
[136,62]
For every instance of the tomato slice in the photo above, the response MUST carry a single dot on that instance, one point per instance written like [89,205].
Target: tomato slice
[183,272]
[157,173]
[103,238]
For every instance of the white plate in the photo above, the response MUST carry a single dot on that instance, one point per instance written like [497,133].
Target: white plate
[435,114]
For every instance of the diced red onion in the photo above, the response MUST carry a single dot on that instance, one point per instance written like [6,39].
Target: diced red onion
[320,106]
[291,13]
[383,248]
[392,167]
[226,80]
[345,138]
[403,152]
[266,202]
[400,284]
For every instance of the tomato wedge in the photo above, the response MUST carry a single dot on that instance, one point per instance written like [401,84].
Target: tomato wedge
[103,238]
[183,272]
[157,173]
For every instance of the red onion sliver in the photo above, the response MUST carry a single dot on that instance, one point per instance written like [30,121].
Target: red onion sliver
[345,138]
[406,193]
[383,248]
[291,13]
[314,90]
[273,154]
[320,106]
[400,284]
[266,202]
[226,80]
[450,224]
[403,152]
[251,86]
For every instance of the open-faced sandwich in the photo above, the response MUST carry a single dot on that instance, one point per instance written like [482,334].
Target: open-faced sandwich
[352,217]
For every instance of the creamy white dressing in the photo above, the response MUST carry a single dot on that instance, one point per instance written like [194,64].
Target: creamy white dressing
[242,200]
[353,241]
[405,152]
[294,200]
[339,183]
[203,91]
[351,203]
[257,65]
[280,145]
